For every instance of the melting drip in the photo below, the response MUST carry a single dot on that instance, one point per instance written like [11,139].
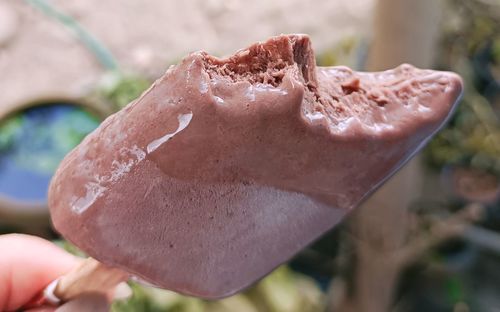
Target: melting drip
[184,121]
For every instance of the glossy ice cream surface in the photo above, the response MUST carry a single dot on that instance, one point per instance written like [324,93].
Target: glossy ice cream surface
[226,168]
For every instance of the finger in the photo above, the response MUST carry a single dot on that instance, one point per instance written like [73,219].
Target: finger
[27,265]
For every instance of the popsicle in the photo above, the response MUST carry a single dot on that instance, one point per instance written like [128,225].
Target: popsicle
[226,168]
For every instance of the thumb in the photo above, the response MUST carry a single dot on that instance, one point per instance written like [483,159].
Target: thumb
[27,265]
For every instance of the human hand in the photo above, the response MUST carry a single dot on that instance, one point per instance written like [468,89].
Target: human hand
[27,265]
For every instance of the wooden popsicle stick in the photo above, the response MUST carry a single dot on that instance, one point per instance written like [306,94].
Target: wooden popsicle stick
[89,276]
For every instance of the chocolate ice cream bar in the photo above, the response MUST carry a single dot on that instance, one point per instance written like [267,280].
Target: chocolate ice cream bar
[226,168]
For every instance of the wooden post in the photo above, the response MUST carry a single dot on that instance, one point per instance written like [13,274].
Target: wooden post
[405,31]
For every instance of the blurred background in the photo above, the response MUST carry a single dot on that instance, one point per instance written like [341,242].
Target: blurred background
[429,240]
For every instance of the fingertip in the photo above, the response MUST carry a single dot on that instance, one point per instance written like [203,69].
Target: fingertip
[27,265]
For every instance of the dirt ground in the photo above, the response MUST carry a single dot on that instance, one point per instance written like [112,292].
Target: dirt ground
[40,58]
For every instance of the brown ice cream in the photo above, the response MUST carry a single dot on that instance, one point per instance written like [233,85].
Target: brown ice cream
[226,168]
